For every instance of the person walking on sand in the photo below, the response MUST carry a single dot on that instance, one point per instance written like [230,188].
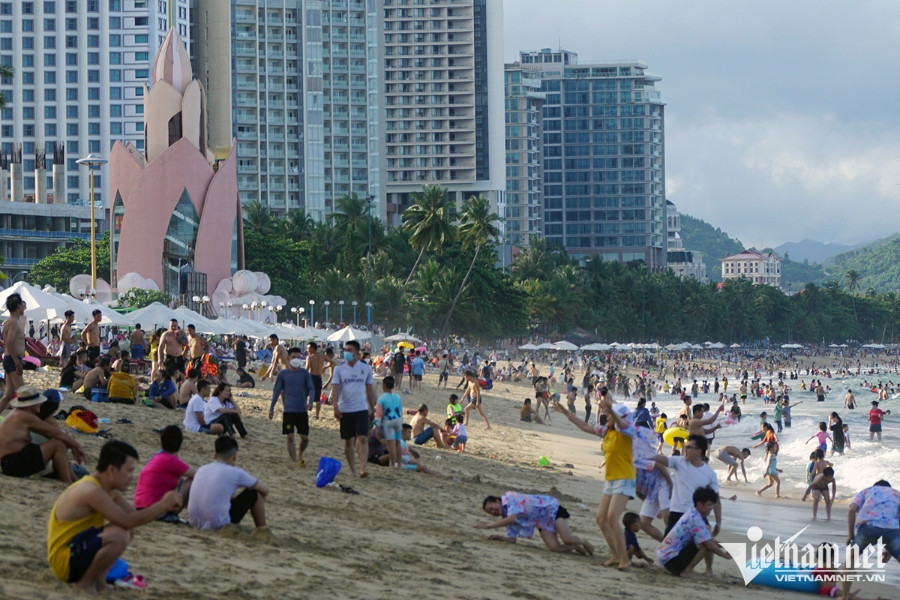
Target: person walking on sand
[353,399]
[615,427]
[523,513]
[473,393]
[296,388]
[315,364]
[14,348]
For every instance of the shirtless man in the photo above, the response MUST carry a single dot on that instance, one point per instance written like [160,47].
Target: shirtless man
[315,364]
[473,393]
[138,343]
[66,338]
[731,456]
[91,335]
[196,347]
[91,522]
[699,423]
[98,377]
[188,387]
[279,355]
[171,352]
[421,433]
[19,455]
[13,348]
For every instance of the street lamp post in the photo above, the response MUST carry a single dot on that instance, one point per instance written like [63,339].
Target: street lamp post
[296,313]
[369,312]
[254,306]
[92,162]
[262,306]
[16,276]
[312,312]
[354,303]
[341,303]
[275,310]
[327,303]
[369,199]
[302,310]
[246,308]
[202,301]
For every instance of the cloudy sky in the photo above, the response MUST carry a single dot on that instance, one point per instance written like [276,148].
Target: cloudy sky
[782,117]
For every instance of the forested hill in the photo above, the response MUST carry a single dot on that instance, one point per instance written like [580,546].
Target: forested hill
[713,243]
[878,265]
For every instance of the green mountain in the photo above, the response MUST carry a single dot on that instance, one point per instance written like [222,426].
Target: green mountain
[878,265]
[713,243]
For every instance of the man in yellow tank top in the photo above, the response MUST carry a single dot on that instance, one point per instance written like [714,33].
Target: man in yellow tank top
[91,522]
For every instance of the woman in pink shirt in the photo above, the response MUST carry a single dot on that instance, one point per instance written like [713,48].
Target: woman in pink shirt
[163,473]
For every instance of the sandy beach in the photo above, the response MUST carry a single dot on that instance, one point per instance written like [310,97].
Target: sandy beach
[404,534]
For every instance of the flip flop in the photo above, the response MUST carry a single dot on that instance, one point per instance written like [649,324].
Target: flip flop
[135,582]
[301,463]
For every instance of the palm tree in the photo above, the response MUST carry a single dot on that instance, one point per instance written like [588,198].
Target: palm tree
[853,280]
[429,222]
[258,219]
[298,225]
[350,221]
[476,228]
[6,72]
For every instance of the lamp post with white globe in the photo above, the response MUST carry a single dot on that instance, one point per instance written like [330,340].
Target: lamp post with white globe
[341,304]
[327,303]
[312,312]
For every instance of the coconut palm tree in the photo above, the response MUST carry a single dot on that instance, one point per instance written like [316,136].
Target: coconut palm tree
[477,227]
[258,219]
[429,222]
[853,281]
[350,219]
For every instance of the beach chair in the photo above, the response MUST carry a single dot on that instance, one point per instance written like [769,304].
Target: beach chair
[38,351]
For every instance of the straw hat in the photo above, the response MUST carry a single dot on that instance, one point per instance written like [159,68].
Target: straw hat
[27,396]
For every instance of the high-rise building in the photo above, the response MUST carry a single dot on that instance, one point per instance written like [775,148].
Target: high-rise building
[523,201]
[684,263]
[80,66]
[300,96]
[442,64]
[604,159]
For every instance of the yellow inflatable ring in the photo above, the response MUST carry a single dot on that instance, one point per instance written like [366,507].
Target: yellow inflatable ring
[673,433]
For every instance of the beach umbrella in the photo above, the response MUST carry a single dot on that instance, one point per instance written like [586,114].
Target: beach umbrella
[874,346]
[110,316]
[524,347]
[406,345]
[564,345]
[403,337]
[348,333]
[735,346]
[546,346]
[152,315]
[200,323]
[39,305]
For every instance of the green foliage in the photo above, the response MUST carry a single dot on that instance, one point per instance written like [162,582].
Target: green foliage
[876,265]
[63,264]
[136,298]
[289,263]
[713,243]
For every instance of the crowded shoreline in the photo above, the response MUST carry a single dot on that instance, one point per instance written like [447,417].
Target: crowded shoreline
[401,526]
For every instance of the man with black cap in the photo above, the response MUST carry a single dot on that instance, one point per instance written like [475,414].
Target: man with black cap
[19,455]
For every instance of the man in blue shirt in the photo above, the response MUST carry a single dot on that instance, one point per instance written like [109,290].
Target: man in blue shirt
[295,386]
[417,369]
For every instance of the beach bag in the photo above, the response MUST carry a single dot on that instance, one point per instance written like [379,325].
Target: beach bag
[327,471]
[82,420]
[119,570]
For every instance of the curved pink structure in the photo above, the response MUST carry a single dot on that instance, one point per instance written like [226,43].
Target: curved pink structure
[171,206]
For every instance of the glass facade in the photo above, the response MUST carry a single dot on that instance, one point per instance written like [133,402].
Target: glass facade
[522,210]
[604,167]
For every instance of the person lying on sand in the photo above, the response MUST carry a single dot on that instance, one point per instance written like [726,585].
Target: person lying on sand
[522,513]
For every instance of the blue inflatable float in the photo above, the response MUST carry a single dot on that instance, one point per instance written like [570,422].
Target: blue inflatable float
[795,579]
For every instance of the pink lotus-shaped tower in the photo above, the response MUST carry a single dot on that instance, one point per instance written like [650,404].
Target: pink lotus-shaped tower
[176,209]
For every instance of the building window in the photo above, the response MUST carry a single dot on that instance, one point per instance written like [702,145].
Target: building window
[50,60]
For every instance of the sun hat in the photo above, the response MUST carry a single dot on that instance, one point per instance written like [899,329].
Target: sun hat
[27,396]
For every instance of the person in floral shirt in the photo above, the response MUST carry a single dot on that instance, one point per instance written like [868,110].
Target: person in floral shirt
[522,513]
[691,540]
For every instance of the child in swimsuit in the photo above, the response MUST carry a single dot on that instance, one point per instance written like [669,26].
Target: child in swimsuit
[772,471]
[822,436]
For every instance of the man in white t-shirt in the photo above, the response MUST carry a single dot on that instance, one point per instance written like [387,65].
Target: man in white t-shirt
[193,414]
[212,503]
[353,398]
[691,474]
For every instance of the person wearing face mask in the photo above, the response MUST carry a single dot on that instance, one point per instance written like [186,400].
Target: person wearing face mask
[296,388]
[353,398]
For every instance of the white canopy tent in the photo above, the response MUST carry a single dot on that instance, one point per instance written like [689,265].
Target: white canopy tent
[110,316]
[596,347]
[402,337]
[522,347]
[152,316]
[201,323]
[347,334]
[39,305]
[546,346]
[564,345]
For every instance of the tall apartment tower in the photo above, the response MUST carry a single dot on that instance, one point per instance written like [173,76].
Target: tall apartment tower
[523,202]
[604,158]
[295,82]
[80,67]
[442,64]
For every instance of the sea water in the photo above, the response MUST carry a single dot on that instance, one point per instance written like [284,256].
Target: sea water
[858,468]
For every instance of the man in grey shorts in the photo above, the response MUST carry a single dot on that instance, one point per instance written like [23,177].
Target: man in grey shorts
[731,455]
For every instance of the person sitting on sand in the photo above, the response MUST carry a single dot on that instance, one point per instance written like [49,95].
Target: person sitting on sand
[421,434]
[221,409]
[121,386]
[162,391]
[691,540]
[164,472]
[454,408]
[97,377]
[91,521]
[525,412]
[819,488]
[522,513]
[212,504]
[20,456]
[194,419]
[245,379]
[188,387]
[731,456]
[409,457]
